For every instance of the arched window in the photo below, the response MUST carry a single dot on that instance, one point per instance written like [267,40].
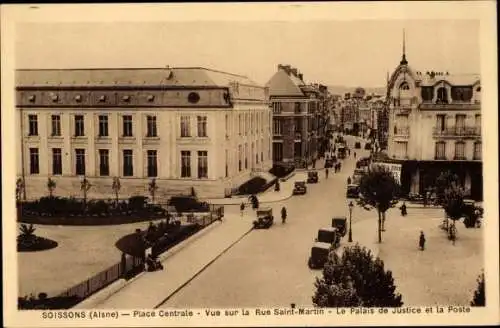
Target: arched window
[442,95]
[404,86]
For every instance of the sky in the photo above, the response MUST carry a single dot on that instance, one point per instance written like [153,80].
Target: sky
[348,53]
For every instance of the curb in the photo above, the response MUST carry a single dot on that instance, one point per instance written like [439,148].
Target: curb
[107,292]
[203,268]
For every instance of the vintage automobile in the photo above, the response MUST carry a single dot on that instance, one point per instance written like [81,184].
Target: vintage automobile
[328,163]
[362,162]
[299,188]
[357,145]
[328,235]
[368,146]
[312,177]
[319,255]
[340,223]
[341,152]
[352,191]
[265,218]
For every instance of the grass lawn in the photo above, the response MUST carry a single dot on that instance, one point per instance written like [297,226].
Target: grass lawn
[82,252]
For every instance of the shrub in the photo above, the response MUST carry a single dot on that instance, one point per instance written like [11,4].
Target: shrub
[253,186]
[281,171]
[187,204]
[137,203]
[479,294]
[355,279]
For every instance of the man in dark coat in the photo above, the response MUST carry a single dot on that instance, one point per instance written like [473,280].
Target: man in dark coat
[421,241]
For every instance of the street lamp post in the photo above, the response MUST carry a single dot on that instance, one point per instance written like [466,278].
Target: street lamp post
[350,221]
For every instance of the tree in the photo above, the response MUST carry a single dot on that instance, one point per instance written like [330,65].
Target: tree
[85,186]
[193,192]
[355,279]
[51,186]
[379,190]
[153,187]
[479,294]
[19,188]
[453,204]
[27,231]
[443,182]
[116,186]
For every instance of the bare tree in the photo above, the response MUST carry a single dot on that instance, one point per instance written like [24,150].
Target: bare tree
[85,186]
[116,188]
[51,186]
[19,188]
[153,187]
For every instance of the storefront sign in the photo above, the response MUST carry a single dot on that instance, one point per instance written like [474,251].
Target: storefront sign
[394,168]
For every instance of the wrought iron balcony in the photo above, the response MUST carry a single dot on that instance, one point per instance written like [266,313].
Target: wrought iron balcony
[457,132]
[452,105]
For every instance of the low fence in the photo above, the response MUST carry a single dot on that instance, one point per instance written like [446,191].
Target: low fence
[130,266]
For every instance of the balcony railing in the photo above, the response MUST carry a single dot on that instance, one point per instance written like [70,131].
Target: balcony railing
[458,131]
[457,105]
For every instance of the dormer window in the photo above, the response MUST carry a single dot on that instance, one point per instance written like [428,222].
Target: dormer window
[442,96]
[54,98]
[151,98]
[126,98]
[404,86]
[78,98]
[32,98]
[102,98]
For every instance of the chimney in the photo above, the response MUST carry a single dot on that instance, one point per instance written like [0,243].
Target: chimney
[301,77]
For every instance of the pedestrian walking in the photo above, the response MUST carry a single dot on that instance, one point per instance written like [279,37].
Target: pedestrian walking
[242,208]
[354,154]
[348,180]
[326,173]
[403,209]
[283,214]
[421,241]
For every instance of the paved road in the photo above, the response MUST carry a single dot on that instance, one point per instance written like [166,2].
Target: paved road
[269,267]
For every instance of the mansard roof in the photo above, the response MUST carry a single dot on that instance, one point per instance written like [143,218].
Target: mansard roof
[182,76]
[283,84]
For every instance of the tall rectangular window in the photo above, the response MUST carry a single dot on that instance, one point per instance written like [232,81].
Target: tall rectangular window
[477,123]
[276,107]
[80,161]
[185,164]
[152,163]
[151,126]
[240,156]
[297,108]
[56,161]
[128,163]
[33,125]
[277,126]
[246,156]
[103,162]
[227,163]
[477,150]
[202,126]
[202,164]
[226,125]
[56,125]
[401,149]
[185,131]
[34,161]
[277,151]
[103,126]
[441,122]
[79,126]
[460,150]
[127,125]
[460,123]
[440,150]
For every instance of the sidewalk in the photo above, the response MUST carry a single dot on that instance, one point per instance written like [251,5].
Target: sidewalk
[150,289]
[269,196]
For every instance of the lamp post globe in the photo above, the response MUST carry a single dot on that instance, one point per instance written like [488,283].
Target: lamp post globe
[350,221]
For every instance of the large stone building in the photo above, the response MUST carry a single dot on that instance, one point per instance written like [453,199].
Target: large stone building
[435,126]
[296,117]
[185,127]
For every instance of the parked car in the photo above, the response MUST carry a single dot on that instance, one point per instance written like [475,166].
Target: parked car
[340,223]
[357,145]
[341,152]
[312,176]
[265,218]
[368,146]
[352,191]
[319,255]
[328,235]
[362,162]
[299,188]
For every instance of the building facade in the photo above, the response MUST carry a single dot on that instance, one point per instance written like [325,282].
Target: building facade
[295,118]
[435,126]
[180,126]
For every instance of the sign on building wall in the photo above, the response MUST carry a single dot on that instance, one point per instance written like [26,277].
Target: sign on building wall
[394,168]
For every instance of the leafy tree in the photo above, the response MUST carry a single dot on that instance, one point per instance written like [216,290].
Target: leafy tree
[479,294]
[27,231]
[153,187]
[443,182]
[453,204]
[85,186]
[355,279]
[51,186]
[116,186]
[19,188]
[379,190]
